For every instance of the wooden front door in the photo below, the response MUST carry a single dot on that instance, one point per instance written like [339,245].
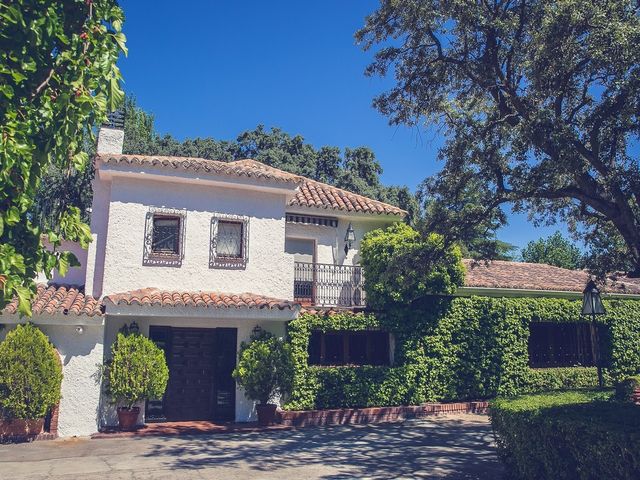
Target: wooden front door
[200,364]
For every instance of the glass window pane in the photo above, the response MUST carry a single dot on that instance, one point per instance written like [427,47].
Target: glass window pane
[229,240]
[166,235]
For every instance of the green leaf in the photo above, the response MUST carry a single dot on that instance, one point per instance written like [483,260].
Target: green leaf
[80,160]
[12,216]
[24,300]
[121,40]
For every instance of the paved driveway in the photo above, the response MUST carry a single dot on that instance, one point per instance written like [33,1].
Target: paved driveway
[453,447]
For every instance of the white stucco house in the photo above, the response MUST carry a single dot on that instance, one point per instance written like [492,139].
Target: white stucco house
[196,253]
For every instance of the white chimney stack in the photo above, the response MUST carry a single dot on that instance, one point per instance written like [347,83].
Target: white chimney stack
[111,134]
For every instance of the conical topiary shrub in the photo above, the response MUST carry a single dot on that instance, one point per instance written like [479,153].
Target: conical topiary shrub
[30,376]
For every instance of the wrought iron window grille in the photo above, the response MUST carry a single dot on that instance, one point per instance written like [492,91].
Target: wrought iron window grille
[165,252]
[229,245]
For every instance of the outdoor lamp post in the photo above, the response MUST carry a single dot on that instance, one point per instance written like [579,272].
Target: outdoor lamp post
[592,305]
[349,238]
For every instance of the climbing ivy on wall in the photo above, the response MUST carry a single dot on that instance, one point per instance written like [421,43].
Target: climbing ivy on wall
[450,348]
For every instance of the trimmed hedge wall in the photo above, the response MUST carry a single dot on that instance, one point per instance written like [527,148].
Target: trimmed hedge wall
[457,348]
[568,435]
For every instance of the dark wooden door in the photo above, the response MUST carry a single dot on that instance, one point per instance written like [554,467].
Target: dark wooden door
[200,365]
[191,367]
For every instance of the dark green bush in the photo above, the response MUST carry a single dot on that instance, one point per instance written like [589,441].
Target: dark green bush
[30,374]
[562,378]
[402,265]
[265,367]
[567,435]
[137,370]
[626,387]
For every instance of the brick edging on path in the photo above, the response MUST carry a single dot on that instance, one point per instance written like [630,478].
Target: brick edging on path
[352,416]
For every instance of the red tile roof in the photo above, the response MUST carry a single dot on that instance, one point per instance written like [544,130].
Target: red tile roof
[321,195]
[60,299]
[242,168]
[155,297]
[310,193]
[536,276]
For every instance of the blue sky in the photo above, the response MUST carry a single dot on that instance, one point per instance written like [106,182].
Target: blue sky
[217,68]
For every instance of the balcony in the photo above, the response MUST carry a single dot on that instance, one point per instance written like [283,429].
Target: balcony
[327,285]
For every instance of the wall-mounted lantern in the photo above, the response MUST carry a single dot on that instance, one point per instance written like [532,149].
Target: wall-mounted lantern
[79,330]
[592,306]
[134,328]
[349,238]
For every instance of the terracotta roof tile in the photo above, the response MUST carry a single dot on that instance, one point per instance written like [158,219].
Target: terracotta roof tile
[60,299]
[537,276]
[240,168]
[320,195]
[309,193]
[155,297]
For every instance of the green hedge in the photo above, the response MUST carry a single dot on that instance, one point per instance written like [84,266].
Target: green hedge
[568,435]
[455,349]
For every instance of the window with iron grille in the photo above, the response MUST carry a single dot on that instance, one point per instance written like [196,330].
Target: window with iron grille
[229,241]
[349,348]
[553,344]
[164,237]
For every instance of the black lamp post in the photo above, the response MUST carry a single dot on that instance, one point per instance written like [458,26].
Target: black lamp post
[349,238]
[592,305]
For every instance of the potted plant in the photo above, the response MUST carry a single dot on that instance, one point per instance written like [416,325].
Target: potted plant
[30,380]
[264,370]
[137,371]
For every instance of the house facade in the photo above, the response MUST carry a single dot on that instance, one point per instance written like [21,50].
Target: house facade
[196,254]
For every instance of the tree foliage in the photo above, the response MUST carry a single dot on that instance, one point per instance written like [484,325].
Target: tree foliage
[137,370]
[554,250]
[265,367]
[58,76]
[539,101]
[30,374]
[402,266]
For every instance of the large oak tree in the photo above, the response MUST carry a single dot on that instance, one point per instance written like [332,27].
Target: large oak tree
[539,102]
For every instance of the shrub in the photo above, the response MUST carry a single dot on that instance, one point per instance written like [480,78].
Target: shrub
[567,435]
[30,374]
[137,370]
[402,265]
[265,367]
[626,388]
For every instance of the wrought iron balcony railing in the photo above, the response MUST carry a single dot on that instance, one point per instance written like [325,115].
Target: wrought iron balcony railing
[327,285]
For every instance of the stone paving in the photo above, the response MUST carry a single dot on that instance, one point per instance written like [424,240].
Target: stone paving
[451,447]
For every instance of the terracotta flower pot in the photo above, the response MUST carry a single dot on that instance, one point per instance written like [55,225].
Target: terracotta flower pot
[16,427]
[128,418]
[266,414]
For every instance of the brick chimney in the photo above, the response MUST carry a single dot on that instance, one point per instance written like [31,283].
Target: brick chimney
[111,134]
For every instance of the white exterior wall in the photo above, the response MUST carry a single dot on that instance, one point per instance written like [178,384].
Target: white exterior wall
[75,275]
[81,357]
[269,271]
[245,408]
[330,240]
